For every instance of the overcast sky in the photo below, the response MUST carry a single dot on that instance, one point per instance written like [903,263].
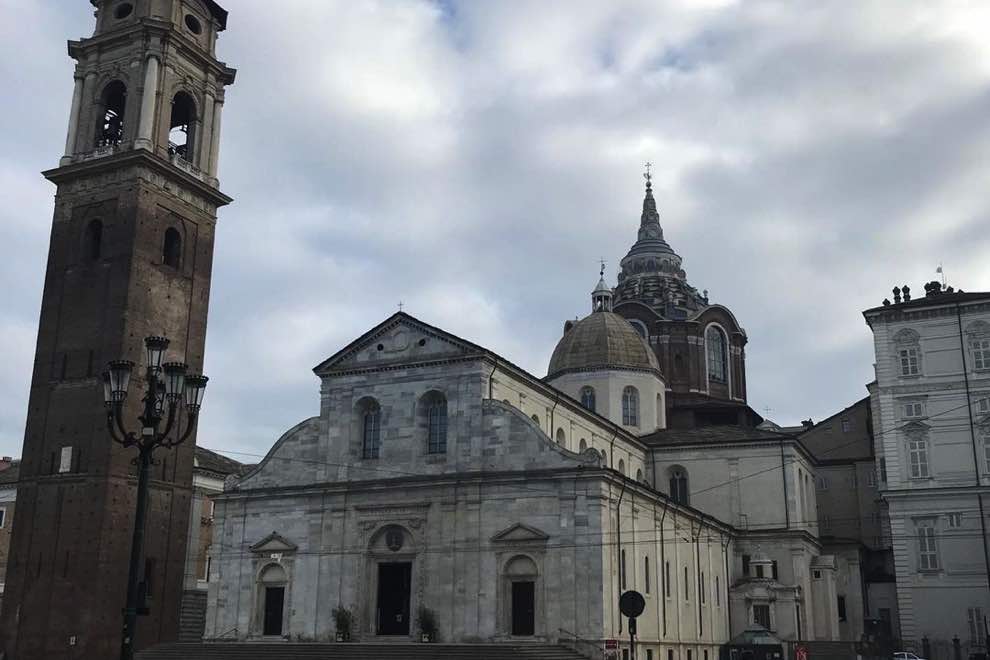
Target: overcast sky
[474,160]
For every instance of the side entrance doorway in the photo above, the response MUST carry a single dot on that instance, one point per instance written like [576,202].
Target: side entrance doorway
[523,608]
[274,608]
[394,590]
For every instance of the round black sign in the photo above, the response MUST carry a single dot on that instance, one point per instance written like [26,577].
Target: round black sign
[393,538]
[632,603]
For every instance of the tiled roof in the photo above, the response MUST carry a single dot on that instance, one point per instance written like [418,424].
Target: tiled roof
[721,434]
[210,461]
[11,474]
[602,340]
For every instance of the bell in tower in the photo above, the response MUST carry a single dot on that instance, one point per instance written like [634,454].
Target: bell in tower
[130,256]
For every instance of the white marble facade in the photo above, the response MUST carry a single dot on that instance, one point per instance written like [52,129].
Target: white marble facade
[527,519]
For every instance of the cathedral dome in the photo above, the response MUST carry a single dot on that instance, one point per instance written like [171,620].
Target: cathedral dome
[602,340]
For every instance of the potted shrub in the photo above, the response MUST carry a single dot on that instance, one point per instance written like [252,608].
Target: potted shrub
[427,624]
[343,619]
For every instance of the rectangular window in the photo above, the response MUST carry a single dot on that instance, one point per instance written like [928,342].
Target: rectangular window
[759,571]
[826,522]
[704,587]
[670,654]
[981,354]
[909,361]
[822,483]
[986,447]
[871,479]
[776,575]
[883,469]
[646,573]
[845,426]
[649,654]
[625,654]
[761,615]
[918,458]
[983,405]
[3,517]
[149,577]
[914,409]
[745,564]
[842,608]
[666,579]
[977,633]
[65,460]
[687,586]
[927,550]
[955,520]
[689,654]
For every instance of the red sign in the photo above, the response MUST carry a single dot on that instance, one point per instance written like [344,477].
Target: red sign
[611,644]
[801,653]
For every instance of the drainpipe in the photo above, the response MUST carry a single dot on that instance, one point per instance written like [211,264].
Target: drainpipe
[491,382]
[783,476]
[618,538]
[662,596]
[972,436]
[553,431]
[728,616]
[697,578]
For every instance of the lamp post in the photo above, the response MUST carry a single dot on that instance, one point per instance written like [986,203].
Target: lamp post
[168,385]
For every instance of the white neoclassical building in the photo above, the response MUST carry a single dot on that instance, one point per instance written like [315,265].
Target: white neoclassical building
[931,412]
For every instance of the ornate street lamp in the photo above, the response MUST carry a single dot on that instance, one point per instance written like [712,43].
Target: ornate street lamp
[168,387]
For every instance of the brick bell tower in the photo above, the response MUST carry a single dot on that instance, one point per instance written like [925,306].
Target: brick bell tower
[130,256]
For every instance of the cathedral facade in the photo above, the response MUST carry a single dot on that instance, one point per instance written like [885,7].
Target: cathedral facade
[441,482]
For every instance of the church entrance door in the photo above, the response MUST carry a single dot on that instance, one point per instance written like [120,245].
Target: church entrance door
[274,603]
[394,586]
[523,608]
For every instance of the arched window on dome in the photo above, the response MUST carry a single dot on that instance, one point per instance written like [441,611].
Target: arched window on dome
[630,406]
[717,354]
[679,485]
[561,438]
[588,397]
[583,446]
[536,420]
[622,466]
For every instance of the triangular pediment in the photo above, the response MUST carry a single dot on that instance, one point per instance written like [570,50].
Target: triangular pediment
[274,542]
[520,533]
[397,340]
[915,428]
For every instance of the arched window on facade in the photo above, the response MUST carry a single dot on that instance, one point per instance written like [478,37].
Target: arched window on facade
[536,420]
[630,406]
[718,359]
[370,417]
[182,127]
[583,446]
[659,411]
[271,600]
[561,438]
[93,240]
[622,466]
[172,248]
[588,397]
[433,411]
[679,485]
[113,101]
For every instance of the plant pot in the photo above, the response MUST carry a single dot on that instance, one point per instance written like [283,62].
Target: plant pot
[342,637]
[426,638]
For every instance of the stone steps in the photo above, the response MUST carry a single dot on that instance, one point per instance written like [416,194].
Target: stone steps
[355,651]
[192,616]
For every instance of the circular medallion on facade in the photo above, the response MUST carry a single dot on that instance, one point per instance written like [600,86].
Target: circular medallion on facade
[393,539]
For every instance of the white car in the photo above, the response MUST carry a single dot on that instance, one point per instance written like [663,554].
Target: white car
[906,655]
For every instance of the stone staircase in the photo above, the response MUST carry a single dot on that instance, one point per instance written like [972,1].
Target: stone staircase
[192,616]
[355,651]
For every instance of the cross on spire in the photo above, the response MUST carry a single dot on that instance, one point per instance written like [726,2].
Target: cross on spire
[647,175]
[400,305]
[601,273]
[767,410]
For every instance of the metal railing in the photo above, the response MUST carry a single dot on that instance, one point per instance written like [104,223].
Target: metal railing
[585,647]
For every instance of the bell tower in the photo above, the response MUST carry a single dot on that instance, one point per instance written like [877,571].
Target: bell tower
[130,256]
